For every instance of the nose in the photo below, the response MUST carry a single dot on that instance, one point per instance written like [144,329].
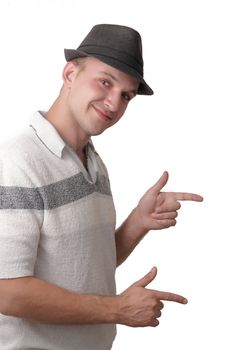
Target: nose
[112,101]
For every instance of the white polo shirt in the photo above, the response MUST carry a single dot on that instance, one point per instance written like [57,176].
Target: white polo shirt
[57,224]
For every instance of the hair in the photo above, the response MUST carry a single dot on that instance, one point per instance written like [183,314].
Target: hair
[80,62]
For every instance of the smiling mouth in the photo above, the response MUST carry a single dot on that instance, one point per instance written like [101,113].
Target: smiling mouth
[102,114]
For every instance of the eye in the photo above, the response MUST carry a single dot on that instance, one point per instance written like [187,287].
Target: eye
[104,82]
[126,97]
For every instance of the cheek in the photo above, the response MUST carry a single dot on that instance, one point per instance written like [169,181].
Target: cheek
[95,90]
[80,99]
[123,108]
[121,113]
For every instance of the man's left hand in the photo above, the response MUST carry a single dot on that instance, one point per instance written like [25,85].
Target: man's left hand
[158,210]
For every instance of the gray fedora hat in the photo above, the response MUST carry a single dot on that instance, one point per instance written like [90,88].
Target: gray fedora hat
[116,45]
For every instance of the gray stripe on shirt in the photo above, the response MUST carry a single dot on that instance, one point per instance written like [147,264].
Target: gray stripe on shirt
[53,195]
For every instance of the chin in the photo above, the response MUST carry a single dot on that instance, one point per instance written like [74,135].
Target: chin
[98,130]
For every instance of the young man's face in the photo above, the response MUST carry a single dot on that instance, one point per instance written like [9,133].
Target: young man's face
[98,96]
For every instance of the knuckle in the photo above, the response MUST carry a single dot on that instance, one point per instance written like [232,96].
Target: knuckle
[159,314]
[153,322]
[156,323]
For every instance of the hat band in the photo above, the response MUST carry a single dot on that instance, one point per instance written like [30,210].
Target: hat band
[114,54]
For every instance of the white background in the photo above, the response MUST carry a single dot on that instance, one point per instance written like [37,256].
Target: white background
[188,128]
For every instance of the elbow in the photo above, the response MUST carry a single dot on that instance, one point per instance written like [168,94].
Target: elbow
[120,260]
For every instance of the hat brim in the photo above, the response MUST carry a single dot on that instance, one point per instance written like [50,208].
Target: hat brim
[143,89]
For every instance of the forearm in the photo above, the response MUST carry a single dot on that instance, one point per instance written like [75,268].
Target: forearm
[39,301]
[128,235]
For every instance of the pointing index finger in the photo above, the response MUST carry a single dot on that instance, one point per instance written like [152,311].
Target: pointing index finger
[171,297]
[184,196]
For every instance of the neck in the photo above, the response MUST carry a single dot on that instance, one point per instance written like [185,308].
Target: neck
[70,132]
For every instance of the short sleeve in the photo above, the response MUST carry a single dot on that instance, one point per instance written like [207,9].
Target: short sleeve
[21,217]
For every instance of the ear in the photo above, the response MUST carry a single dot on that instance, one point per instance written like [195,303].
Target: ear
[70,72]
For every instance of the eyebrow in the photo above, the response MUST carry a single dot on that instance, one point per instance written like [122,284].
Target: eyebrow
[134,91]
[110,75]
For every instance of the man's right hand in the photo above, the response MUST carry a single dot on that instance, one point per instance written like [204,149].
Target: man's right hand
[141,307]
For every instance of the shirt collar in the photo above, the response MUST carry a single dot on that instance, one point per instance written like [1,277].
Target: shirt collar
[48,134]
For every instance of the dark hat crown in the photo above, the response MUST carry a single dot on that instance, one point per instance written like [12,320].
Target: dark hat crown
[121,40]
[116,45]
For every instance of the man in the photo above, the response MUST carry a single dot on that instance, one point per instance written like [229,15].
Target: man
[58,243]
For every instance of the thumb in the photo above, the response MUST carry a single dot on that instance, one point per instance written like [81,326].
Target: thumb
[160,183]
[149,277]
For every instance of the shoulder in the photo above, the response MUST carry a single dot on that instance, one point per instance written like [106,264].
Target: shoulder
[18,146]
[17,158]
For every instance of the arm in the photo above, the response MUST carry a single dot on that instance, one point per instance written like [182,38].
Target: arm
[156,210]
[39,301]
[128,236]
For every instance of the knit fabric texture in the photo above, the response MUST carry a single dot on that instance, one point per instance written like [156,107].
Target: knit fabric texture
[57,224]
